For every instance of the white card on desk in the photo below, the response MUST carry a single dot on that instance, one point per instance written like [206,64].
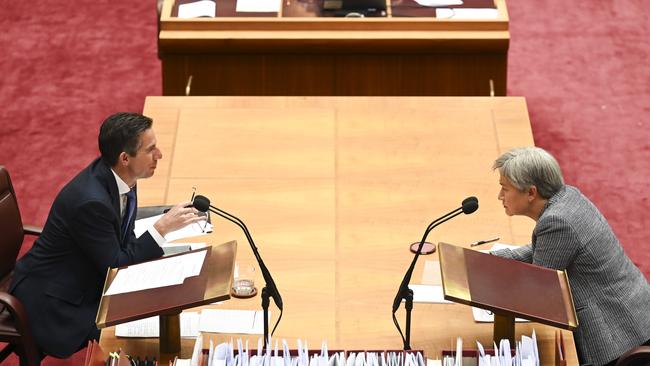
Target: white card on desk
[258,6]
[232,321]
[434,3]
[466,13]
[203,8]
[429,294]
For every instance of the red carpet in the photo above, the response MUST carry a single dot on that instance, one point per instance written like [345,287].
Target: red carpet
[583,67]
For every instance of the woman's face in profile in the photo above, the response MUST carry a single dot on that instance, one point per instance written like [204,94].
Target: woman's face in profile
[515,202]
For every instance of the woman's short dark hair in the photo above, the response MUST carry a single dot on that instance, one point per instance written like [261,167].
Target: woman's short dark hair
[531,166]
[121,132]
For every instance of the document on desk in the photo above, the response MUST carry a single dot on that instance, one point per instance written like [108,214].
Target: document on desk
[203,8]
[149,327]
[499,246]
[435,3]
[258,6]
[232,321]
[195,229]
[467,13]
[177,248]
[429,294]
[163,272]
[486,316]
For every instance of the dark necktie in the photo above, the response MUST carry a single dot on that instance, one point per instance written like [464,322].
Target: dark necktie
[128,213]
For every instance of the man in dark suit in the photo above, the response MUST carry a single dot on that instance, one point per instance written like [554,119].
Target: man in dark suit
[89,229]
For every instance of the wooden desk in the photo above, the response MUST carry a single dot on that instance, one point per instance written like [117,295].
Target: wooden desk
[298,52]
[334,190]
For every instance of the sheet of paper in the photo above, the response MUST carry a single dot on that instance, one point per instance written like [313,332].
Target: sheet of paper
[499,246]
[196,229]
[486,316]
[466,13]
[459,352]
[428,294]
[175,248]
[203,8]
[258,6]
[232,321]
[197,352]
[149,327]
[434,3]
[159,273]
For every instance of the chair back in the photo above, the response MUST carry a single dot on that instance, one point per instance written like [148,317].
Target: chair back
[11,226]
[639,356]
[14,325]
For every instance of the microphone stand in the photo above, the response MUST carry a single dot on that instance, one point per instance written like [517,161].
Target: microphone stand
[269,290]
[404,292]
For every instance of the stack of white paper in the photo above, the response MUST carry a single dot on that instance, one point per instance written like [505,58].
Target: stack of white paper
[225,354]
[526,353]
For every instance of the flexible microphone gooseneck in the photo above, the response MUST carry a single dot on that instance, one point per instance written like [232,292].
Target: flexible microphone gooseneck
[468,206]
[202,203]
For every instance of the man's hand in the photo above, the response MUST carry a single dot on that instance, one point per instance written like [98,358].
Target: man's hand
[177,217]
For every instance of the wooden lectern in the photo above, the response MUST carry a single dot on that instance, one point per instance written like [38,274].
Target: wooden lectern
[508,288]
[211,285]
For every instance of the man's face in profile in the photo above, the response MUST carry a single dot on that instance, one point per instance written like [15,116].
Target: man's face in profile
[144,163]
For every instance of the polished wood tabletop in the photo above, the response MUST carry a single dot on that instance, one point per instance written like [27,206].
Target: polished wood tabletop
[334,189]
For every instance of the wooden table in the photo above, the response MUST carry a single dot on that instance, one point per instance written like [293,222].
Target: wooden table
[298,51]
[334,190]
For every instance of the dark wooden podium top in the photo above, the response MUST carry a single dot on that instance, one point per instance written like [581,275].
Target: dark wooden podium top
[507,287]
[211,285]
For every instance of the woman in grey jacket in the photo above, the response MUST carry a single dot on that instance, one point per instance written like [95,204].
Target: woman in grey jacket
[611,295]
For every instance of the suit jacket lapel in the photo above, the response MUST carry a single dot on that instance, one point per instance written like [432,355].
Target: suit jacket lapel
[106,175]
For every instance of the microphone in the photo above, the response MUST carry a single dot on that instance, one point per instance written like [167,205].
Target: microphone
[468,206]
[202,203]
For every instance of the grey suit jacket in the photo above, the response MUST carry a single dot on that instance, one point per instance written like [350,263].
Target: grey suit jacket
[611,295]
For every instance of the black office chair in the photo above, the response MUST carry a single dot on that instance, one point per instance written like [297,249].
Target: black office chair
[639,356]
[14,325]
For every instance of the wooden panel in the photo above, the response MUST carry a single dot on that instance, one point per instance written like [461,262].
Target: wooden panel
[363,74]
[306,55]
[299,74]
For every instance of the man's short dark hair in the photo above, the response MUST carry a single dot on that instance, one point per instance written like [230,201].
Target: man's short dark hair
[121,132]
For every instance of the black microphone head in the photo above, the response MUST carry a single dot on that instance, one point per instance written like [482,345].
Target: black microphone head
[469,205]
[201,203]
